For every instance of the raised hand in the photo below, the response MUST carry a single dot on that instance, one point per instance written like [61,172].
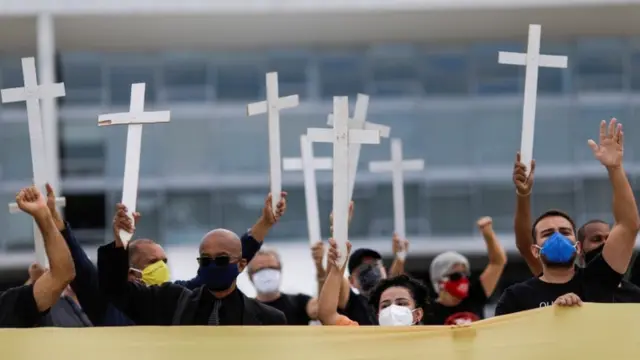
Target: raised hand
[523,183]
[122,222]
[333,254]
[32,202]
[611,147]
[51,204]
[485,224]
[271,216]
[317,253]
[569,299]
[399,245]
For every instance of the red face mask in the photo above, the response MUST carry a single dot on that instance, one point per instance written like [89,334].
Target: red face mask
[458,288]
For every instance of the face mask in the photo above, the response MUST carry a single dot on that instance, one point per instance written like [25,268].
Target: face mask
[218,277]
[558,249]
[588,256]
[457,285]
[369,276]
[395,315]
[155,274]
[267,281]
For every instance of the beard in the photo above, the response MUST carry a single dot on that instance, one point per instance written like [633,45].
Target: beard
[559,265]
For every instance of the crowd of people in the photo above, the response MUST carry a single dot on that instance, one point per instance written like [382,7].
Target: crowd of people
[131,283]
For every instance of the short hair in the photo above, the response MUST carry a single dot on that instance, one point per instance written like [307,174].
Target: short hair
[418,291]
[581,234]
[550,213]
[134,248]
[264,251]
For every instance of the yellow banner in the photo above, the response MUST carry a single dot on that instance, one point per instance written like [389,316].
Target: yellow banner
[595,331]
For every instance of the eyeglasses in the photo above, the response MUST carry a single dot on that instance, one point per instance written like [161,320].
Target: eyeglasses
[222,260]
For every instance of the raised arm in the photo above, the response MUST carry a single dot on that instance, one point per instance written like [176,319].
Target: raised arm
[497,257]
[522,222]
[317,253]
[618,249]
[48,288]
[329,295]
[400,248]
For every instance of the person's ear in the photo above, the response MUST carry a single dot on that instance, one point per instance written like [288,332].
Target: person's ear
[579,249]
[535,250]
[242,264]
[418,314]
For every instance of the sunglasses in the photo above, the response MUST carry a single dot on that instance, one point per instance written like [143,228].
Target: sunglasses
[222,260]
[456,276]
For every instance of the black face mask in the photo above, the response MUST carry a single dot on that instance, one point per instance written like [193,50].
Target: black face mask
[369,276]
[590,255]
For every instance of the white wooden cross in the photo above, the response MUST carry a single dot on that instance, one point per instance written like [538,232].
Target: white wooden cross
[359,122]
[341,137]
[309,164]
[31,93]
[272,107]
[397,166]
[532,60]
[134,119]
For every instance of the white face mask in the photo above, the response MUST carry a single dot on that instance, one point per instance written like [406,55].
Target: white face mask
[395,315]
[267,281]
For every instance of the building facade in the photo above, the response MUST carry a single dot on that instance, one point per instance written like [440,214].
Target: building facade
[436,82]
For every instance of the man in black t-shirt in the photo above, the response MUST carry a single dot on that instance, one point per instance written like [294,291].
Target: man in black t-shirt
[265,272]
[23,306]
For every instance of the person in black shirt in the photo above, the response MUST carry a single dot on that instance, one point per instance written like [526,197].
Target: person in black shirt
[23,306]
[265,272]
[217,302]
[461,298]
[592,236]
[556,246]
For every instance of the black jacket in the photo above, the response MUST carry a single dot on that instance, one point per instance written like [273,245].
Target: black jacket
[167,304]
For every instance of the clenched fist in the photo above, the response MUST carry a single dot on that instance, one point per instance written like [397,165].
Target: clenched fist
[32,202]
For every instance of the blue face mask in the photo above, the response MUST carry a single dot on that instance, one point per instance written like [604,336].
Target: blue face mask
[218,277]
[558,249]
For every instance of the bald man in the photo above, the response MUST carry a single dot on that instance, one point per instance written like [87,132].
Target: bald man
[217,302]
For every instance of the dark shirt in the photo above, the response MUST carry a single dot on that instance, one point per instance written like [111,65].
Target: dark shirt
[85,285]
[294,308]
[359,310]
[230,312]
[627,293]
[18,308]
[65,313]
[597,282]
[470,309]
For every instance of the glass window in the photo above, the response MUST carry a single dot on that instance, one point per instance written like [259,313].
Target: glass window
[455,149]
[292,72]
[373,212]
[446,72]
[14,139]
[82,149]
[451,210]
[552,80]
[17,229]
[497,201]
[151,156]
[291,127]
[394,70]
[187,147]
[586,126]
[240,81]
[240,208]
[121,78]
[244,142]
[496,133]
[554,132]
[82,75]
[405,126]
[635,67]
[187,216]
[632,131]
[555,194]
[12,78]
[342,75]
[600,64]
[493,78]
[597,196]
[185,80]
